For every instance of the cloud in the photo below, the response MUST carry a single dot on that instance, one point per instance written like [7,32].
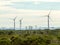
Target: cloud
[36,6]
[4,0]
[36,0]
[2,3]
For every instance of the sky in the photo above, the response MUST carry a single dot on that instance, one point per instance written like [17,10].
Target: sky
[33,12]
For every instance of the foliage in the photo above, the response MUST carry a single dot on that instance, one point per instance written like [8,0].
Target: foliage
[29,37]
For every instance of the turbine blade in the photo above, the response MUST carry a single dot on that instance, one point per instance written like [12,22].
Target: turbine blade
[21,19]
[49,12]
[44,16]
[15,17]
[10,18]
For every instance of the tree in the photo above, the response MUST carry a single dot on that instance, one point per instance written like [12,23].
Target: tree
[5,41]
[17,41]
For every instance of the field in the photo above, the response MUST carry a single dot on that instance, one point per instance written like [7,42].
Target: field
[30,37]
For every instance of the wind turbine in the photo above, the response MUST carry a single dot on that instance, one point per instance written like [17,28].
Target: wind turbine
[14,22]
[20,23]
[48,20]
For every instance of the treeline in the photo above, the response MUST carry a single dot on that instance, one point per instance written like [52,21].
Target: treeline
[33,37]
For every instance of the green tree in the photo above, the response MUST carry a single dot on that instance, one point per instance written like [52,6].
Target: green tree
[5,41]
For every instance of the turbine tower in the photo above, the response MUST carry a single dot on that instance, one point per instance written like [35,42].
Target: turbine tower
[48,20]
[14,22]
[20,23]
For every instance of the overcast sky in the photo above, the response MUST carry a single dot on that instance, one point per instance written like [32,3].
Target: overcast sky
[32,11]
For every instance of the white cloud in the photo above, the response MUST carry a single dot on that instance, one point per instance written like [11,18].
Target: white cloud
[35,0]
[4,0]
[2,3]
